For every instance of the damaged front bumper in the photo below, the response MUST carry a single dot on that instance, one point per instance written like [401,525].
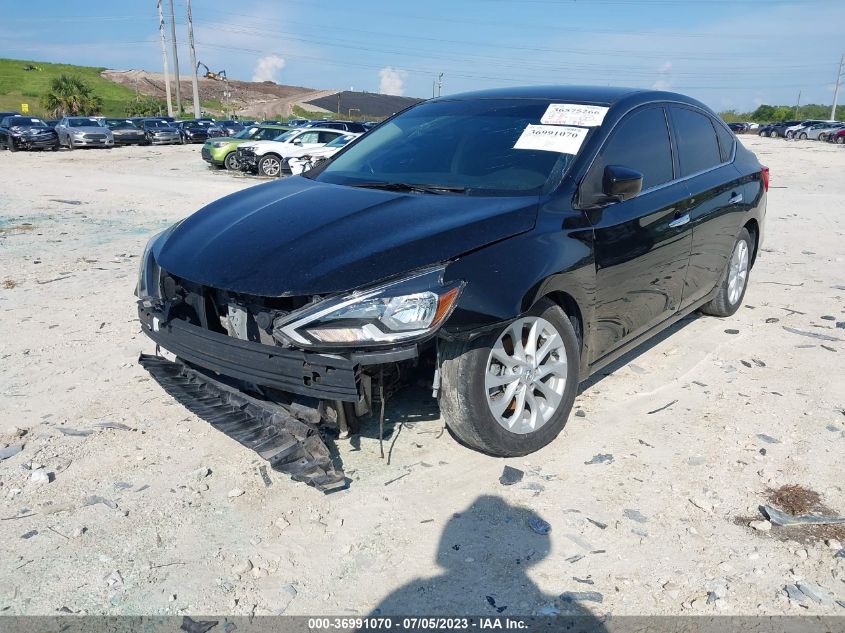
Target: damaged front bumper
[321,376]
[286,436]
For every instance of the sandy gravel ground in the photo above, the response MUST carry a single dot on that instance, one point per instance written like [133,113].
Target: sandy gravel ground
[649,505]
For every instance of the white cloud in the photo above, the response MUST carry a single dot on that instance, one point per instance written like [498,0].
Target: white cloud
[391,81]
[665,68]
[267,67]
[661,84]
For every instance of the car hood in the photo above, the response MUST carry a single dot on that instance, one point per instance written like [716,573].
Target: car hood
[30,130]
[262,147]
[89,129]
[300,237]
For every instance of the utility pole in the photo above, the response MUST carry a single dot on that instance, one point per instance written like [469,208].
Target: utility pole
[433,88]
[164,59]
[197,113]
[797,104]
[439,83]
[175,60]
[836,90]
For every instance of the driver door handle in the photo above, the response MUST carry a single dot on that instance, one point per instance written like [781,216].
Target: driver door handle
[684,219]
[735,198]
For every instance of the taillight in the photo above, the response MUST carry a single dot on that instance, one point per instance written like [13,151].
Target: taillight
[764,171]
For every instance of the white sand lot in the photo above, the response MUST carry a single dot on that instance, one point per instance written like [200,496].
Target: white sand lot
[675,500]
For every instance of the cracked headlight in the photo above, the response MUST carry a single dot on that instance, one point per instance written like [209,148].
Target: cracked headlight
[149,274]
[409,309]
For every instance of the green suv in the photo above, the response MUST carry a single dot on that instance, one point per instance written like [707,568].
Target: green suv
[220,152]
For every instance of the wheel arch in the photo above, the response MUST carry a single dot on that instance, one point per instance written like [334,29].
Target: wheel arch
[753,227]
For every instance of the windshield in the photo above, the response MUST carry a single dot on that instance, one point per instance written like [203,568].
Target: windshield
[340,141]
[454,144]
[24,120]
[156,124]
[83,123]
[119,123]
[247,132]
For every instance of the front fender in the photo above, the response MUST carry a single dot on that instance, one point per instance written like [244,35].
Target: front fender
[503,280]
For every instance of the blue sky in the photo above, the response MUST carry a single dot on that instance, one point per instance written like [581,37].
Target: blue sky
[728,53]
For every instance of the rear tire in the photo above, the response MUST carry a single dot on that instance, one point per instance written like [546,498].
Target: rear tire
[480,375]
[840,140]
[11,143]
[734,281]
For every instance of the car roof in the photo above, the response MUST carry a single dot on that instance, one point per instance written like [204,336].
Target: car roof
[606,95]
[322,129]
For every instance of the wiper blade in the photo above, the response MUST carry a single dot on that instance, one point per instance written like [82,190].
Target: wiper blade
[416,188]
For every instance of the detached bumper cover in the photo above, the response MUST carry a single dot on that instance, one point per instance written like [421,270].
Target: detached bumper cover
[321,376]
[287,439]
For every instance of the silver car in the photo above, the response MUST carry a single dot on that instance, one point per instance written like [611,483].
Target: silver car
[821,131]
[80,131]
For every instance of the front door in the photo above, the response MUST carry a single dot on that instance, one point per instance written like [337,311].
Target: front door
[641,245]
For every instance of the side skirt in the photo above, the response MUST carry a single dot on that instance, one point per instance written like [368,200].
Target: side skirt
[642,338]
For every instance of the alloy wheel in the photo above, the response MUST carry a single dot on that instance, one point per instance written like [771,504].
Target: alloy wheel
[271,166]
[738,271]
[525,378]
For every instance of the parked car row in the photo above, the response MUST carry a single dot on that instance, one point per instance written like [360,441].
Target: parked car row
[221,138]
[19,132]
[275,150]
[831,131]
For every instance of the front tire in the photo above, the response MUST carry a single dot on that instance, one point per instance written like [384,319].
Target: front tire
[231,162]
[803,136]
[510,392]
[734,280]
[11,143]
[270,165]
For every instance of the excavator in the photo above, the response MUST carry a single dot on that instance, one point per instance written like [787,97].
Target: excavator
[220,75]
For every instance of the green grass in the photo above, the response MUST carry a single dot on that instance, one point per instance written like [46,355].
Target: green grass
[19,86]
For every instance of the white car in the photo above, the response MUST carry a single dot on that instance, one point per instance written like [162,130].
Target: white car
[305,159]
[267,157]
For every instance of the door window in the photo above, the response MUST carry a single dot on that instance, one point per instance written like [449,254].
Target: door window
[639,142]
[328,137]
[698,148]
[308,137]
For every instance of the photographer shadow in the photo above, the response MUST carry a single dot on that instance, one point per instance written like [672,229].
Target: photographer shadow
[486,552]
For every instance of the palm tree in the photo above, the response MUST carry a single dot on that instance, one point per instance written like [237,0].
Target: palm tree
[69,95]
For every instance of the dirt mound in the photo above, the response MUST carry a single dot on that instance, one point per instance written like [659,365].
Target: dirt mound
[250,98]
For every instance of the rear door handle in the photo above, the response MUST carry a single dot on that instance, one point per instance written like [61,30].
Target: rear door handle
[684,219]
[735,198]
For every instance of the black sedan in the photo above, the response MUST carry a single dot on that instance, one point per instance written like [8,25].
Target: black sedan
[125,132]
[25,132]
[198,131]
[503,245]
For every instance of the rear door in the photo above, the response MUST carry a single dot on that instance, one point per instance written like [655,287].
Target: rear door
[717,195]
[641,249]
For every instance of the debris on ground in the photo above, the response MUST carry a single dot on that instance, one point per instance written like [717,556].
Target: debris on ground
[539,526]
[582,596]
[782,518]
[197,626]
[601,458]
[768,439]
[510,476]
[9,451]
[793,498]
[635,515]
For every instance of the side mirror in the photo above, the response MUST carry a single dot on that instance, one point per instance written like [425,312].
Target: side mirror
[621,183]
[297,141]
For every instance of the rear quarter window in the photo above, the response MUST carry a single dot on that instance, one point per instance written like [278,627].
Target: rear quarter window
[698,146]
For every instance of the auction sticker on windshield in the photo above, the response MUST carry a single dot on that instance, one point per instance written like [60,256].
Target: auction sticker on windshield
[552,138]
[574,114]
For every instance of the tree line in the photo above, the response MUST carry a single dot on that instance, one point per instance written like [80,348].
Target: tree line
[770,113]
[69,95]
